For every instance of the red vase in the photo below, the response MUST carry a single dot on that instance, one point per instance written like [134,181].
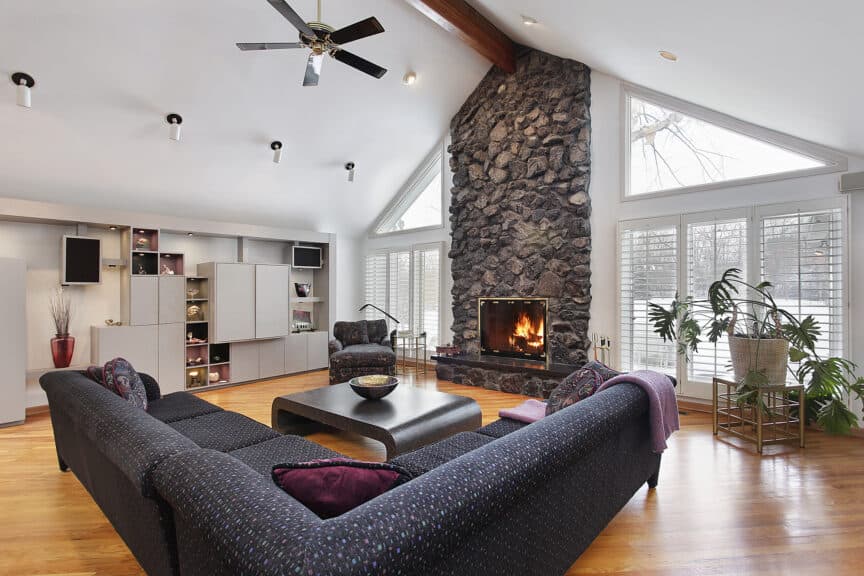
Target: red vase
[62,348]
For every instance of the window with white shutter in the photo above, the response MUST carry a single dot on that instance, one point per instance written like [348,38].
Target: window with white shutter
[427,293]
[713,247]
[376,284]
[648,272]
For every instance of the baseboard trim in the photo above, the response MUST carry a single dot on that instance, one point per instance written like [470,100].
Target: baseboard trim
[694,405]
[36,410]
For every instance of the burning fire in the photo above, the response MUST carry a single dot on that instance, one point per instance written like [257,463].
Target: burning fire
[527,335]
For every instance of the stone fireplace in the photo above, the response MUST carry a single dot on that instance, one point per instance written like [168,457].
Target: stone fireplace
[513,327]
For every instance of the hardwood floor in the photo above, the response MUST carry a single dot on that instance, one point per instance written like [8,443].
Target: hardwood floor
[719,509]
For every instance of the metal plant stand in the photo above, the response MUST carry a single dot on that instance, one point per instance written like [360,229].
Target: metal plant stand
[415,343]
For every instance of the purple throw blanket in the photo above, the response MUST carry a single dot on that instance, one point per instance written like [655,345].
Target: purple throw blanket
[662,403]
[529,411]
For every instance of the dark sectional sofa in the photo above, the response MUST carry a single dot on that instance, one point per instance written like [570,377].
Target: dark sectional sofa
[187,486]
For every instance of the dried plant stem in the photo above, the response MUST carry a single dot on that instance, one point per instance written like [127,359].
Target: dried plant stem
[61,311]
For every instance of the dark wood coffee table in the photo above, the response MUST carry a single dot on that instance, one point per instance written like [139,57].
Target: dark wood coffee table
[405,420]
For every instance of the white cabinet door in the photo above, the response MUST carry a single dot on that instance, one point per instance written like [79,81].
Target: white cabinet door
[317,355]
[245,361]
[137,344]
[144,301]
[271,358]
[271,301]
[233,316]
[171,358]
[296,347]
[13,340]
[172,299]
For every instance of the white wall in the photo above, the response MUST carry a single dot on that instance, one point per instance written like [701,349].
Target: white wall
[608,208]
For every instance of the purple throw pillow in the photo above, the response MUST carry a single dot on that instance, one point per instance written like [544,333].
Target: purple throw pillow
[577,386]
[605,371]
[95,374]
[334,486]
[120,377]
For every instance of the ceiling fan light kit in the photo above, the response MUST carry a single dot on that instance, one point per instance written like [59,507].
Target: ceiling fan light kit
[23,82]
[276,146]
[322,39]
[174,121]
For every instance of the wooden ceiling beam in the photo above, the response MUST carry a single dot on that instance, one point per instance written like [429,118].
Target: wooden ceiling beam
[462,20]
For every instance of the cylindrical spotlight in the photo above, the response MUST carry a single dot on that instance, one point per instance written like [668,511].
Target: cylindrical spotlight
[349,166]
[23,82]
[276,146]
[174,120]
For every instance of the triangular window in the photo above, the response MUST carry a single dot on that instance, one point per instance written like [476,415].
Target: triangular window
[420,204]
[674,145]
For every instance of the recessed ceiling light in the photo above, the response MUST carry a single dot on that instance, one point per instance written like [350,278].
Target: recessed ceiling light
[529,21]
[409,79]
[112,228]
[670,56]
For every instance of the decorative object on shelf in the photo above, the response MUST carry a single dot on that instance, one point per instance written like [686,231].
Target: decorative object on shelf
[174,121]
[62,345]
[303,289]
[194,379]
[214,377]
[142,243]
[192,293]
[276,146]
[112,322]
[141,269]
[447,350]
[374,387]
[194,361]
[166,271]
[767,338]
[24,83]
[301,320]
[216,359]
[193,313]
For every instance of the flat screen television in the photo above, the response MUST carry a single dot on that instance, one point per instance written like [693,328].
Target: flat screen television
[306,257]
[81,260]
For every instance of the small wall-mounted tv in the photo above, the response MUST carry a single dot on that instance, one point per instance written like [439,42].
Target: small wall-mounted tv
[81,260]
[305,257]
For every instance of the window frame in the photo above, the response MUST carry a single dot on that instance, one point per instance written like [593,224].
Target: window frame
[835,162]
[754,214]
[411,191]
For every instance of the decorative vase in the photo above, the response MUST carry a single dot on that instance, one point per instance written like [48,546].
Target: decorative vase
[62,348]
[768,356]
[303,289]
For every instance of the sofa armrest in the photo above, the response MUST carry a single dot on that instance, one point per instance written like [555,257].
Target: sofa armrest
[392,340]
[334,346]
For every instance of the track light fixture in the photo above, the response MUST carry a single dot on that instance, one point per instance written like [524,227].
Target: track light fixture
[174,120]
[276,146]
[24,82]
[410,78]
[349,166]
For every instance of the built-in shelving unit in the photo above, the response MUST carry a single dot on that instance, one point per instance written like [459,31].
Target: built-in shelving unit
[207,364]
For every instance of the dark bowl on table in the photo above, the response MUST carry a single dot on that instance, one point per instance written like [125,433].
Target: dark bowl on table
[374,387]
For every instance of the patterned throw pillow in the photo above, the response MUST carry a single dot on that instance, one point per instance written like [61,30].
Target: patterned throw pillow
[331,487]
[121,378]
[577,386]
[605,371]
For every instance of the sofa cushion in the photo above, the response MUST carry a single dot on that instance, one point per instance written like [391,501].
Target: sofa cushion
[332,487]
[431,456]
[120,377]
[579,385]
[224,431]
[180,406]
[282,450]
[351,333]
[501,428]
[377,331]
[152,387]
[364,355]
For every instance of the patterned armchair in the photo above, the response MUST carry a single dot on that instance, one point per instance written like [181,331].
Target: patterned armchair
[360,349]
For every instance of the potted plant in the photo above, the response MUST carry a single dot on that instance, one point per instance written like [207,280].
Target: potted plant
[62,345]
[763,339]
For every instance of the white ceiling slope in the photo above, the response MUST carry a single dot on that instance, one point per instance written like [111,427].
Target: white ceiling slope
[108,72]
[790,65]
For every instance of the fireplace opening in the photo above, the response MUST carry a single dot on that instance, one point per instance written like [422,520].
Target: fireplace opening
[514,327]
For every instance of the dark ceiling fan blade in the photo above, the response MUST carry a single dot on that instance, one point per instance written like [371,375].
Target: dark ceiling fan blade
[313,69]
[283,8]
[269,45]
[359,63]
[356,31]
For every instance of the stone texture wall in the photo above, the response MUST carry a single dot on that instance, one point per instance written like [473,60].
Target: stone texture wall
[520,156]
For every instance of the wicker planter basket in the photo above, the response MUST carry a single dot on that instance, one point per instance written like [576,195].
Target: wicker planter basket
[769,356]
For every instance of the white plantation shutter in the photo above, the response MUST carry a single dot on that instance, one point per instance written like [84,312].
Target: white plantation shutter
[802,256]
[712,248]
[648,272]
[427,293]
[399,298]
[376,284]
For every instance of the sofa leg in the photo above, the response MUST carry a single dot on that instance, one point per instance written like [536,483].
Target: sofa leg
[654,478]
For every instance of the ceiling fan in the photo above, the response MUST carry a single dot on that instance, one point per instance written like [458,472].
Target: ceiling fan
[323,39]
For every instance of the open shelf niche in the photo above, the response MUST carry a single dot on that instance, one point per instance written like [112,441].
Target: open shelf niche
[206,364]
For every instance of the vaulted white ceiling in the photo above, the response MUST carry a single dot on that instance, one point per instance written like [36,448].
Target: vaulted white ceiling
[790,65]
[109,71]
